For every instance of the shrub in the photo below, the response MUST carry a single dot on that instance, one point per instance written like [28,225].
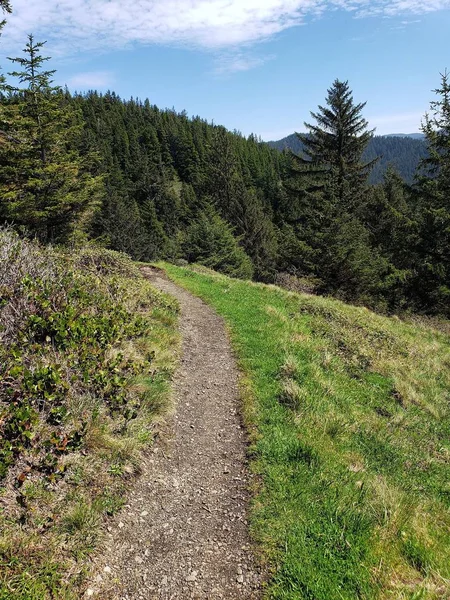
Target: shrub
[60,319]
[210,242]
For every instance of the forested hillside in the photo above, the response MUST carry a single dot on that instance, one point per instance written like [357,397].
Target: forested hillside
[404,153]
[158,184]
[345,480]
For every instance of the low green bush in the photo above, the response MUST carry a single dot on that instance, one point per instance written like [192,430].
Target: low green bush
[87,348]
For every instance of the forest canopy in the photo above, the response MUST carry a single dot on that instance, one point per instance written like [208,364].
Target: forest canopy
[157,184]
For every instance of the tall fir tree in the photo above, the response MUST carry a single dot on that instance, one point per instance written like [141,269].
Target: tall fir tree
[336,143]
[46,186]
[432,285]
[329,186]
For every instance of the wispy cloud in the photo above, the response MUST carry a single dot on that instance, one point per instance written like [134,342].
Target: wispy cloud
[74,25]
[237,62]
[91,80]
[393,8]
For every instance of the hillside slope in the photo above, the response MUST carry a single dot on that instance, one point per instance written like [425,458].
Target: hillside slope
[402,152]
[349,418]
[87,349]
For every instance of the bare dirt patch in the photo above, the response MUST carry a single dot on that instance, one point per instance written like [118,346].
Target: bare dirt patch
[184,532]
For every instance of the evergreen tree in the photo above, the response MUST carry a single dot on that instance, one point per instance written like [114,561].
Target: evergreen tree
[255,229]
[389,217]
[349,266]
[210,241]
[336,143]
[5,7]
[156,240]
[119,226]
[240,205]
[432,285]
[295,256]
[436,127]
[46,186]
[224,183]
[328,189]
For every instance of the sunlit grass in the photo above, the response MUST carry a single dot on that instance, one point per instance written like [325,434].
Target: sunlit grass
[348,412]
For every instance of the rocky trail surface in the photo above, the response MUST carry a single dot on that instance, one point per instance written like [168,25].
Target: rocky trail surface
[184,532]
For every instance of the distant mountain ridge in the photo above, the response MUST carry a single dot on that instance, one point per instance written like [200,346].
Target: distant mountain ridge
[402,151]
[414,136]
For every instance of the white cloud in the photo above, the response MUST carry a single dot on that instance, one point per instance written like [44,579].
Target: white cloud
[392,8]
[74,25]
[239,62]
[91,80]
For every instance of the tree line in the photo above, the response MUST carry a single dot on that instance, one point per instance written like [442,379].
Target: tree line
[156,184]
[404,153]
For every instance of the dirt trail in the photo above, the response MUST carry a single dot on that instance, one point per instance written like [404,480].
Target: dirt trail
[184,532]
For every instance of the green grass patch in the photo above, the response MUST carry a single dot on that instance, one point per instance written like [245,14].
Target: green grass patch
[348,413]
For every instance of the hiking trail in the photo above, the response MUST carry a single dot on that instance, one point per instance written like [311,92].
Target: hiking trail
[184,532]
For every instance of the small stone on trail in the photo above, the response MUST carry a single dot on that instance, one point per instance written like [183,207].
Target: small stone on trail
[144,513]
[107,569]
[192,576]
[89,592]
[121,525]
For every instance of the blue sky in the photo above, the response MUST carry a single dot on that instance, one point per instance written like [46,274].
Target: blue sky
[253,65]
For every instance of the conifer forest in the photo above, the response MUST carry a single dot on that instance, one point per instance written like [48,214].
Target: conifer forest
[156,184]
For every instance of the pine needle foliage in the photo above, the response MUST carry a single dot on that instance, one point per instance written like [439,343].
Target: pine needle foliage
[46,187]
[433,189]
[337,141]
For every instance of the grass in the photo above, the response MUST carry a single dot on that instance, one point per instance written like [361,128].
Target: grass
[84,446]
[348,413]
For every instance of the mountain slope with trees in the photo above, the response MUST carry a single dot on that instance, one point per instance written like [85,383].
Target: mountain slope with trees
[404,153]
[349,409]
[157,184]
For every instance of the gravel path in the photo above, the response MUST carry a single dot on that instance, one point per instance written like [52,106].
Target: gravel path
[184,532]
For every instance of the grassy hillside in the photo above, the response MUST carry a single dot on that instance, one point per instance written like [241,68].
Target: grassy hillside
[349,417]
[87,351]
